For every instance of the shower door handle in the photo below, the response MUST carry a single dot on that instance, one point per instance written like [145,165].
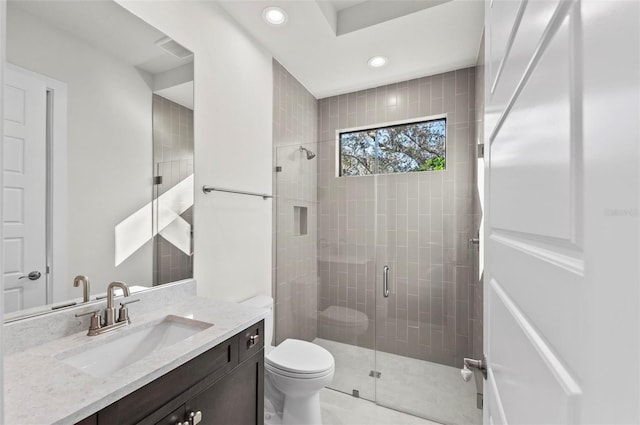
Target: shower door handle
[385,282]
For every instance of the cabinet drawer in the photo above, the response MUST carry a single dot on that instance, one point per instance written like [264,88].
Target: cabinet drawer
[174,417]
[143,403]
[236,399]
[250,341]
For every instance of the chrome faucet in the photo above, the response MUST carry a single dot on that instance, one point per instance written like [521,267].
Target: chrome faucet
[110,311]
[86,291]
[97,326]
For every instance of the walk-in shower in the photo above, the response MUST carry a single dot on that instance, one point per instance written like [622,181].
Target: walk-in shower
[369,228]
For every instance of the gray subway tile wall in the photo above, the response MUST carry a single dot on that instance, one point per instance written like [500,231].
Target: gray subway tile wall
[416,223]
[173,160]
[295,269]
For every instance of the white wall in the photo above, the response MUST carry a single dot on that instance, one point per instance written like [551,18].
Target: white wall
[109,146]
[233,132]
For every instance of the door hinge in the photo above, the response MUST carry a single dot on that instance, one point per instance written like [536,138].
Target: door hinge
[375,374]
[480,151]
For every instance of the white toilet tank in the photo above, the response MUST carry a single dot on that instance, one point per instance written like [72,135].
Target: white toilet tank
[265,302]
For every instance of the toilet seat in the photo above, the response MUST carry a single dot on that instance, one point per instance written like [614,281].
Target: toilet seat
[299,359]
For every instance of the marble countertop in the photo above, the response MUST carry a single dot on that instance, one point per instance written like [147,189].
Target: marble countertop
[40,389]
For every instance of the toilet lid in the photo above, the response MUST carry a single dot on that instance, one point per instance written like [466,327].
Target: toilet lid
[300,357]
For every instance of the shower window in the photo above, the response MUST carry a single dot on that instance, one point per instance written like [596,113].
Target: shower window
[402,148]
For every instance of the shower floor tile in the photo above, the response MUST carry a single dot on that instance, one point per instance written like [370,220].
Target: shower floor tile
[342,409]
[418,387]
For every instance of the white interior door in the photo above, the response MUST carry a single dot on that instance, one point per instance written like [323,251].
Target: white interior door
[24,191]
[561,276]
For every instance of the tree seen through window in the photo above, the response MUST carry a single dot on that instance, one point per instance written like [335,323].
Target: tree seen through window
[402,148]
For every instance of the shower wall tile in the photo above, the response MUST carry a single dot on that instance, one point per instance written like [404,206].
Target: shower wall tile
[173,160]
[295,269]
[416,223]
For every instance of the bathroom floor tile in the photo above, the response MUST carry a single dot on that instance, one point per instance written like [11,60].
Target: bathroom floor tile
[342,409]
[423,388]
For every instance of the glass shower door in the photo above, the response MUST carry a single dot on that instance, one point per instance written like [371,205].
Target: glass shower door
[296,268]
[325,261]
[423,325]
[346,270]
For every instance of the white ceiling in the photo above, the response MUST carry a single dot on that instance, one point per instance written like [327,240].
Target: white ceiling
[182,94]
[338,5]
[420,37]
[107,26]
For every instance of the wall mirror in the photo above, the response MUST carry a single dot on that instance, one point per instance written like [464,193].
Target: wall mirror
[97,154]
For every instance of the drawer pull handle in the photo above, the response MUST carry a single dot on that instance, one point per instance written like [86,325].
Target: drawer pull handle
[195,417]
[253,340]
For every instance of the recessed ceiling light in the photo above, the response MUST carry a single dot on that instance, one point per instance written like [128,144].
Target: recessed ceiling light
[377,61]
[274,16]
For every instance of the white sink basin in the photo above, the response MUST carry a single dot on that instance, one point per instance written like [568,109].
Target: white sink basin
[124,348]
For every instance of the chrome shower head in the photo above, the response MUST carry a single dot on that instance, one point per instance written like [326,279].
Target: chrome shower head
[310,155]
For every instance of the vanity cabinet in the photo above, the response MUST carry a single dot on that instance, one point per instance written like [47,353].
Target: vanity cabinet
[224,384]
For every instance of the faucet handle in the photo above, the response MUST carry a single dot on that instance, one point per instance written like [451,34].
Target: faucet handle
[123,313]
[86,313]
[95,321]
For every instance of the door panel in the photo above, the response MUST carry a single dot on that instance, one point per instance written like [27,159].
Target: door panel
[531,164]
[24,192]
[515,343]
[561,298]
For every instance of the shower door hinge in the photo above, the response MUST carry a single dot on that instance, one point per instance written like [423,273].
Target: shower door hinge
[278,168]
[375,374]
[355,393]
[480,151]
[157,180]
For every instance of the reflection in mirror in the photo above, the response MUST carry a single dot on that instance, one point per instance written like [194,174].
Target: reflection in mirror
[98,154]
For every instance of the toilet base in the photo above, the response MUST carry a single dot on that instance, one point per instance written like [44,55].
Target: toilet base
[302,410]
[271,417]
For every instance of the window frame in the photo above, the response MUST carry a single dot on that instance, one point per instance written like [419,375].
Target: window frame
[338,149]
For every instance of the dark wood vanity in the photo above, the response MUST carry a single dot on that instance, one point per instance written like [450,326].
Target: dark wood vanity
[224,385]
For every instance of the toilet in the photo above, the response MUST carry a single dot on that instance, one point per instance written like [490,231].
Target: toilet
[295,372]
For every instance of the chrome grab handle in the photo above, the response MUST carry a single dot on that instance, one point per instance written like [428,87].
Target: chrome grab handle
[385,282]
[34,275]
